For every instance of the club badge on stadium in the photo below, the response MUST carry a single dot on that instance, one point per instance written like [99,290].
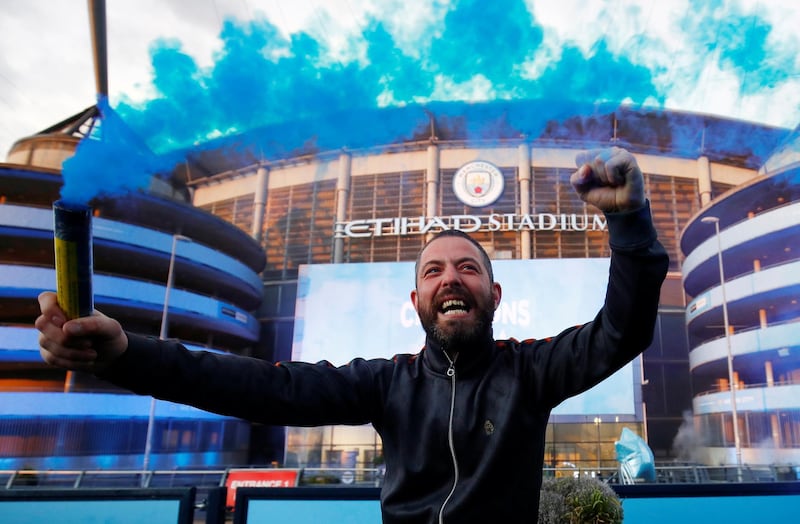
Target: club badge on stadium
[478,184]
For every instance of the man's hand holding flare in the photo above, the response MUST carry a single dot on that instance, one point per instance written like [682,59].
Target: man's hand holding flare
[82,344]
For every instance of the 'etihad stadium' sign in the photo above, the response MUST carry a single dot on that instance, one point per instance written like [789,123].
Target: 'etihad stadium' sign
[402,226]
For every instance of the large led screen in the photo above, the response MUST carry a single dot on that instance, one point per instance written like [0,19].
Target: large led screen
[345,311]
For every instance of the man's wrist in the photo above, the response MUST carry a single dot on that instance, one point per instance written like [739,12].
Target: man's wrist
[631,230]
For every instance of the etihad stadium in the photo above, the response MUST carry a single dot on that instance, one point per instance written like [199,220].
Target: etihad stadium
[245,217]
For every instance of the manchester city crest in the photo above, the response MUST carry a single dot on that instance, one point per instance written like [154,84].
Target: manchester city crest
[478,184]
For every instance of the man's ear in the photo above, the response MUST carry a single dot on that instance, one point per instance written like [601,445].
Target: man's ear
[497,292]
[414,299]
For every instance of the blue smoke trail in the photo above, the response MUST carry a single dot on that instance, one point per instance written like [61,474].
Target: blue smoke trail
[293,88]
[112,161]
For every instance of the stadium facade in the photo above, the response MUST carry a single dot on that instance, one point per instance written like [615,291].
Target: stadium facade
[742,268]
[306,193]
[58,420]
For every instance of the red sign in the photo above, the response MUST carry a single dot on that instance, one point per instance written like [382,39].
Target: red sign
[259,478]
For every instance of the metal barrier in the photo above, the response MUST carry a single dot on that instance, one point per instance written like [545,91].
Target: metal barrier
[205,479]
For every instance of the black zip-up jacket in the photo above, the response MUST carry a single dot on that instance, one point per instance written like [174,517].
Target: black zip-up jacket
[463,441]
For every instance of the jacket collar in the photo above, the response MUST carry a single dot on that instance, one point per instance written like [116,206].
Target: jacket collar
[467,359]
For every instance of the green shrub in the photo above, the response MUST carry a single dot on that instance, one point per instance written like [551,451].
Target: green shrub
[578,501]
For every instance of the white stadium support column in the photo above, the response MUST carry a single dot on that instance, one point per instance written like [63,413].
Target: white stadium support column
[432,182]
[260,203]
[524,169]
[704,180]
[342,195]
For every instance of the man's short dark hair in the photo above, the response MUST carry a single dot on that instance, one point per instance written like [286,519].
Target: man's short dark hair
[458,234]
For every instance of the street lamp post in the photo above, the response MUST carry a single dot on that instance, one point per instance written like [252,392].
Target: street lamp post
[162,335]
[731,382]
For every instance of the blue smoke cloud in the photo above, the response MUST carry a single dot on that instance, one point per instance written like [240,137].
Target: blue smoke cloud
[477,51]
[492,39]
[739,42]
[261,78]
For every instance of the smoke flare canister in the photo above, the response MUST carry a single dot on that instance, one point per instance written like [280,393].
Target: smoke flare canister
[73,249]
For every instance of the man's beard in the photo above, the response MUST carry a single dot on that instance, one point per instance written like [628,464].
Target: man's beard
[455,336]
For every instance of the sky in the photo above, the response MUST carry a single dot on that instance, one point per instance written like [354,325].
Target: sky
[183,72]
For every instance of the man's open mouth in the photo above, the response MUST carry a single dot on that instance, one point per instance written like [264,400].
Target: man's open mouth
[454,307]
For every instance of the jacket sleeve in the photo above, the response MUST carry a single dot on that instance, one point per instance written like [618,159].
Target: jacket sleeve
[291,393]
[580,357]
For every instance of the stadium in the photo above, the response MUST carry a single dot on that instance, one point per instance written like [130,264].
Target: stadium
[245,219]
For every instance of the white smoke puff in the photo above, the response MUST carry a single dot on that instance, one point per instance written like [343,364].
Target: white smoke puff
[689,441]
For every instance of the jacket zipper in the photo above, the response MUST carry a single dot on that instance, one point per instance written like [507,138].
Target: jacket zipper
[451,372]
